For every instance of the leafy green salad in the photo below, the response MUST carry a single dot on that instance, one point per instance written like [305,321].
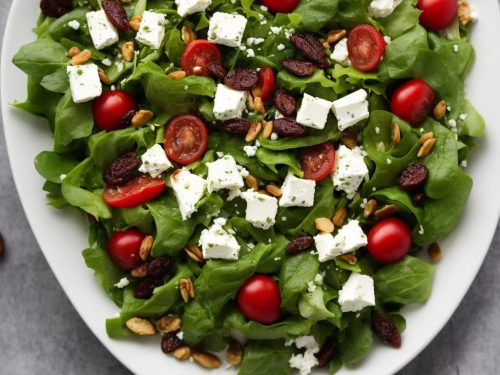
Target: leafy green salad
[260,178]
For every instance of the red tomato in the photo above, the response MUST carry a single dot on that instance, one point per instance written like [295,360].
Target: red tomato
[111,108]
[437,14]
[123,248]
[318,161]
[366,47]
[198,54]
[265,85]
[259,299]
[281,6]
[412,101]
[136,192]
[389,240]
[186,139]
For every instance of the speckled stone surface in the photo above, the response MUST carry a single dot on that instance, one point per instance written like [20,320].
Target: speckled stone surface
[41,333]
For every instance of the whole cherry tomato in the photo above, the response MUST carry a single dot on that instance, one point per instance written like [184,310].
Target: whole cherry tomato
[366,47]
[437,14]
[389,240]
[123,248]
[259,299]
[186,139]
[111,108]
[318,161]
[135,192]
[197,55]
[281,6]
[413,101]
[265,85]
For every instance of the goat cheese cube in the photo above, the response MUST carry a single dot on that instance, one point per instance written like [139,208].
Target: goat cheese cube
[340,53]
[382,8]
[84,82]
[350,237]
[188,190]
[227,29]
[314,112]
[229,103]
[155,161]
[187,7]
[152,29]
[350,170]
[102,31]
[297,192]
[326,247]
[357,293]
[351,109]
[224,174]
[261,209]
[217,243]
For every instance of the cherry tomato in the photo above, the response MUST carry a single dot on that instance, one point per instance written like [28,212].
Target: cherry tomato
[389,240]
[413,101]
[197,55]
[111,108]
[318,161]
[366,47]
[136,192]
[281,6]
[123,248]
[259,299]
[437,14]
[186,139]
[265,85]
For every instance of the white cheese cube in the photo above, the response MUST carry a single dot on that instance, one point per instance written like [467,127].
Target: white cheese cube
[250,151]
[261,209]
[314,112]
[327,247]
[152,29]
[229,103]
[351,109]
[217,243]
[188,189]
[340,54]
[187,7]
[102,31]
[350,237]
[155,161]
[84,82]
[350,170]
[297,192]
[224,174]
[357,293]
[382,8]
[227,29]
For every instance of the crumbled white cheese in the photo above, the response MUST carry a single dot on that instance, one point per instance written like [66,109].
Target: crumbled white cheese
[187,7]
[382,8]
[304,362]
[122,283]
[357,293]
[340,53]
[155,161]
[250,150]
[217,243]
[74,24]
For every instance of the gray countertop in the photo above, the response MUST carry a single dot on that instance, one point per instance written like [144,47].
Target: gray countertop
[41,333]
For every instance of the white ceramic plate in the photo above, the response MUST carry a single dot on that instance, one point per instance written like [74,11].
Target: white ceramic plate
[62,234]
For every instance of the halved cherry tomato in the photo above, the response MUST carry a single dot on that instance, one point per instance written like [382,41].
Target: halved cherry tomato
[389,240]
[281,6]
[318,161]
[186,139]
[136,192]
[366,47]
[413,101]
[197,55]
[265,85]
[123,248]
[437,14]
[259,299]
[111,108]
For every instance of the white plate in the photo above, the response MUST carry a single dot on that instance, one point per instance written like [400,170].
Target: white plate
[62,234]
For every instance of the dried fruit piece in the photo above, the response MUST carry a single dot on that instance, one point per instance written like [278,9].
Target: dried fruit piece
[327,352]
[309,45]
[285,102]
[234,353]
[141,327]
[300,244]
[299,68]
[144,288]
[413,177]
[241,79]
[156,267]
[206,360]
[126,121]
[287,127]
[386,330]
[170,343]
[237,126]
[56,8]
[216,70]
[122,170]
[418,198]
[116,14]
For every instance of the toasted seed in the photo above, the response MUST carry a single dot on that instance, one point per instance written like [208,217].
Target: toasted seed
[426,148]
[250,103]
[128,51]
[349,258]
[464,12]
[440,110]
[186,289]
[206,360]
[259,104]
[386,211]
[339,216]
[167,324]
[396,134]
[426,137]
[254,131]
[251,182]
[178,75]
[268,129]
[335,35]
[81,58]
[145,249]
[274,190]
[103,77]
[187,35]
[182,353]
[264,192]
[370,208]
[349,138]
[140,326]
[135,23]
[73,51]
[141,118]
[194,252]
[234,353]
[323,224]
[434,251]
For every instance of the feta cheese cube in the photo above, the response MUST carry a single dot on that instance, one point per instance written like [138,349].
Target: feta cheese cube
[227,29]
[229,103]
[313,112]
[340,54]
[224,174]
[351,109]
[261,209]
[84,82]
[155,161]
[152,29]
[350,170]
[187,7]
[382,8]
[297,192]
[326,246]
[102,31]
[351,237]
[188,190]
[357,293]
[217,243]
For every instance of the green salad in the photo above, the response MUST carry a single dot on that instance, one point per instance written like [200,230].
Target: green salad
[260,178]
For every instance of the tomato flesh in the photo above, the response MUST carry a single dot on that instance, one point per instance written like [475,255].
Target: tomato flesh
[134,193]
[197,55]
[186,139]
[111,108]
[389,240]
[366,47]
[265,85]
[281,6]
[413,101]
[317,161]
[259,299]
[437,14]
[123,248]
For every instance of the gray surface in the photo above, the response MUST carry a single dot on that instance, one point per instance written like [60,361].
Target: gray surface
[41,333]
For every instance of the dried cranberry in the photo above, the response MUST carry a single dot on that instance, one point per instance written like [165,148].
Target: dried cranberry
[327,352]
[126,121]
[241,79]
[287,127]
[216,70]
[144,288]
[300,244]
[122,170]
[237,126]
[156,267]
[418,198]
[309,45]
[413,177]
[170,343]
[285,102]
[386,330]
[299,68]
[56,8]
[116,14]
